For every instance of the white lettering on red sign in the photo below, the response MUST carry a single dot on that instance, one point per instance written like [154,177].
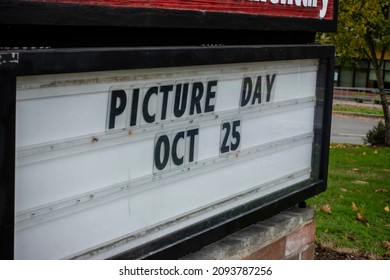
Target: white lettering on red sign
[299,3]
[281,7]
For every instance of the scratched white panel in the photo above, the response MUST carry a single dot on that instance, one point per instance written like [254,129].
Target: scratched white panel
[79,185]
[64,236]
[69,106]
[50,119]
[83,172]
[295,86]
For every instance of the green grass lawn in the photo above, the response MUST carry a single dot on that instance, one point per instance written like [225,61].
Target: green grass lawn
[357,109]
[354,211]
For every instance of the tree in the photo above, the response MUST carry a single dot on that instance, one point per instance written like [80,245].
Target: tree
[364,33]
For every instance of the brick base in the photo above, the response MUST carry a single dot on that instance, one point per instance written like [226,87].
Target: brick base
[289,235]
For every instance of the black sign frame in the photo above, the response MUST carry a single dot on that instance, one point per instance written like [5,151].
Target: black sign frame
[38,62]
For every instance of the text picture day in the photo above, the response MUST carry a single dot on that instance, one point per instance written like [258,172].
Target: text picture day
[200,97]
[140,140]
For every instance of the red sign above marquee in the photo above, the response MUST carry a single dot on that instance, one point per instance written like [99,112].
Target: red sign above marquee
[313,9]
[259,15]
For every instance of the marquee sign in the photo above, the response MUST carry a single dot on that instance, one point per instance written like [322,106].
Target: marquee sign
[211,14]
[130,152]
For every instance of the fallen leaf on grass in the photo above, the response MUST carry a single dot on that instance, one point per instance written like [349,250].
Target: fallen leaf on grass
[359,182]
[386,244]
[380,190]
[386,170]
[354,207]
[387,226]
[351,237]
[360,217]
[387,209]
[355,169]
[326,208]
[343,190]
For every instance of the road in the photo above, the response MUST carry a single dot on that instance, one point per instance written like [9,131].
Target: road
[350,130]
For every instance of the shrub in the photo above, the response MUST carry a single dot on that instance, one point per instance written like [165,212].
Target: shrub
[376,136]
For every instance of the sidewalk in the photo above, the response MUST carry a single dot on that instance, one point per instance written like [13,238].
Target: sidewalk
[349,127]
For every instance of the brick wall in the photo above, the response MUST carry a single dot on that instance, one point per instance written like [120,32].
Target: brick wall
[288,235]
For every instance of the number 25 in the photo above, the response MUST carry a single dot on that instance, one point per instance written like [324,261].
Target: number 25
[230,136]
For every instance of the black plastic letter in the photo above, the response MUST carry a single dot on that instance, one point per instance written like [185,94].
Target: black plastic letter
[147,117]
[114,110]
[210,95]
[176,160]
[161,164]
[257,91]
[192,134]
[196,97]
[246,91]
[180,103]
[165,90]
[134,107]
[270,84]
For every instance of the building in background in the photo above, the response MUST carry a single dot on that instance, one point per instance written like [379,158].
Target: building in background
[362,75]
